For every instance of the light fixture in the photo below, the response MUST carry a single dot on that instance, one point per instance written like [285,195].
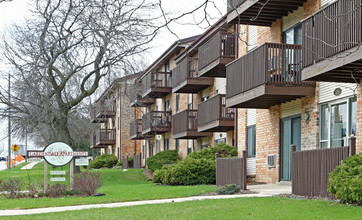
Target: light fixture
[306,116]
[337,91]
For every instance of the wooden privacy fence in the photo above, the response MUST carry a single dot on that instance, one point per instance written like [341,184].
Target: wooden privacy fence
[137,163]
[125,163]
[231,171]
[310,169]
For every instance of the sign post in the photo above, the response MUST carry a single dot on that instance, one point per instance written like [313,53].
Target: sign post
[45,175]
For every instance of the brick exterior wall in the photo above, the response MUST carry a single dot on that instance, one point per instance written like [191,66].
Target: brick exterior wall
[359,120]
[242,119]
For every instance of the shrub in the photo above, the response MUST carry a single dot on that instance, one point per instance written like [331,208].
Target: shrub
[223,149]
[159,175]
[164,157]
[120,163]
[345,181]
[12,187]
[228,189]
[188,172]
[87,183]
[105,160]
[130,162]
[56,190]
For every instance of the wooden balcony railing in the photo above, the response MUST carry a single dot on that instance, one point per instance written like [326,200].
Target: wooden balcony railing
[136,99]
[93,140]
[105,109]
[184,121]
[188,68]
[103,137]
[233,4]
[136,130]
[158,81]
[156,122]
[213,110]
[222,45]
[333,30]
[270,64]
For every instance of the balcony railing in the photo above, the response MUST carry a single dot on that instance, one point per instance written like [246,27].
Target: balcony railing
[220,49]
[94,118]
[136,99]
[103,137]
[214,116]
[136,130]
[184,125]
[156,122]
[185,77]
[156,84]
[331,31]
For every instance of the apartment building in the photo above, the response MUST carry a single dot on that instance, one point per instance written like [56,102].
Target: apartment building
[296,79]
[113,113]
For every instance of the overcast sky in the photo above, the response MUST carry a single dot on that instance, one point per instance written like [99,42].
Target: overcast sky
[15,11]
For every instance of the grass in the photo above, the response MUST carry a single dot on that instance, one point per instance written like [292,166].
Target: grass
[117,185]
[242,208]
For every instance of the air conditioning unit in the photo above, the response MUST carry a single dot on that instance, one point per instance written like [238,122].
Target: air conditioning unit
[271,160]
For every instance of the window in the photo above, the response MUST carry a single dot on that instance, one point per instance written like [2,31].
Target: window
[337,122]
[177,102]
[177,144]
[251,140]
[166,144]
[167,69]
[167,105]
[158,146]
[150,152]
[218,141]
[293,35]
[144,151]
[189,106]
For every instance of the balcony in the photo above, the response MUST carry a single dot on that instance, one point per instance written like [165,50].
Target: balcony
[267,76]
[216,53]
[102,138]
[103,110]
[261,12]
[136,99]
[156,122]
[332,43]
[185,77]
[184,126]
[136,130]
[214,116]
[156,84]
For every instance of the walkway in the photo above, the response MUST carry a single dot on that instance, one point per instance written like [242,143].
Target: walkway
[284,187]
[121,204]
[30,165]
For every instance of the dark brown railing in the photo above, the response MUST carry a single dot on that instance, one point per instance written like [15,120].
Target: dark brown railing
[135,128]
[185,70]
[310,169]
[156,80]
[214,109]
[222,45]
[269,64]
[105,108]
[184,121]
[331,31]
[137,161]
[233,4]
[156,119]
[103,137]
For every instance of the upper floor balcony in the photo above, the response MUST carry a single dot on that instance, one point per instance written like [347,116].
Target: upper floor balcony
[135,131]
[332,41]
[184,125]
[185,77]
[156,122]
[136,99]
[220,50]
[103,110]
[102,138]
[156,84]
[259,12]
[214,116]
[267,76]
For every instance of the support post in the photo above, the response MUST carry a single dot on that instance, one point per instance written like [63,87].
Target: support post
[71,174]
[352,146]
[244,170]
[293,148]
[216,173]
[45,175]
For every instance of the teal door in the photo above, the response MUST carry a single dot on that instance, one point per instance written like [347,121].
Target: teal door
[290,134]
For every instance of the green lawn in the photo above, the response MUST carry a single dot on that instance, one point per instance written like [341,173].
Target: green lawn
[243,208]
[117,185]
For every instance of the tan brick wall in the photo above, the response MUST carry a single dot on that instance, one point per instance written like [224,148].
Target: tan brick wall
[241,145]
[310,128]
[359,120]
[311,7]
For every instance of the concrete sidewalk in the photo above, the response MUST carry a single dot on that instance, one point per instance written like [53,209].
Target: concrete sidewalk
[121,204]
[284,187]
[30,165]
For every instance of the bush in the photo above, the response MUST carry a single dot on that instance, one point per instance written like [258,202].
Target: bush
[130,162]
[345,181]
[87,183]
[163,157]
[187,172]
[208,153]
[120,163]
[105,160]
[56,190]
[228,189]
[12,187]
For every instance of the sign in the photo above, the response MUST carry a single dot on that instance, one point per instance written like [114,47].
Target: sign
[82,161]
[57,179]
[57,173]
[19,158]
[15,148]
[58,154]
[12,163]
